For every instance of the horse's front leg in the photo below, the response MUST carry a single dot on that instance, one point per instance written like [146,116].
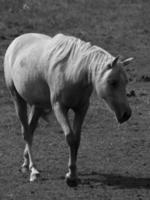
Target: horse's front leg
[61,115]
[77,124]
[72,138]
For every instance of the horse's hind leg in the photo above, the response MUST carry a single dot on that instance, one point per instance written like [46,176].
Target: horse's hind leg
[27,128]
[34,115]
[21,111]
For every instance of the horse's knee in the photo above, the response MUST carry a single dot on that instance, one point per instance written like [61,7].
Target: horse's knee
[69,137]
[72,139]
[27,137]
[25,154]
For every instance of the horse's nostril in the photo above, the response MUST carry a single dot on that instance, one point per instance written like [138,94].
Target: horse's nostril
[126,116]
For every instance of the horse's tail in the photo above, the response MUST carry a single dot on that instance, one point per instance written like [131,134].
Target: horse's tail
[7,72]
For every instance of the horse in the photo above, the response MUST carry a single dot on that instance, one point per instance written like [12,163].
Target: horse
[45,74]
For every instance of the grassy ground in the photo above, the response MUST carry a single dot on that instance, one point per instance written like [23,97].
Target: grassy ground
[114,162]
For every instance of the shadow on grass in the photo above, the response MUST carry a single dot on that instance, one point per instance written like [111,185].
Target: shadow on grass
[115,180]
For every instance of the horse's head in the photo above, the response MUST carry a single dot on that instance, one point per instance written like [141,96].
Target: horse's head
[112,88]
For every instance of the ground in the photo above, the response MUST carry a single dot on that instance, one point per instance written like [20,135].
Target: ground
[113,161]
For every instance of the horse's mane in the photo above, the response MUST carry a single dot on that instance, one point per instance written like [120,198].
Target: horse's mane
[76,56]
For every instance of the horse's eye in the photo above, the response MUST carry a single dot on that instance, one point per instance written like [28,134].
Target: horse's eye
[114,83]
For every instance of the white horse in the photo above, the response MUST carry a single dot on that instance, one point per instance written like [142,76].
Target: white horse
[59,74]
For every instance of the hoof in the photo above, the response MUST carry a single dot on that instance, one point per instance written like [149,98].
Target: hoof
[72,181]
[34,177]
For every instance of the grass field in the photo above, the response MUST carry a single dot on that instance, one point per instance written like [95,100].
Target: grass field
[113,161]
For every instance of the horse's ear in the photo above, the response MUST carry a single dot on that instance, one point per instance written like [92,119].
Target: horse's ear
[114,62]
[127,61]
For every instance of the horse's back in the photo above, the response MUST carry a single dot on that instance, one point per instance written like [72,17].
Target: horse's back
[22,64]
[22,43]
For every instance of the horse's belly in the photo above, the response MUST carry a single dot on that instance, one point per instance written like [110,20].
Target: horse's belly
[32,89]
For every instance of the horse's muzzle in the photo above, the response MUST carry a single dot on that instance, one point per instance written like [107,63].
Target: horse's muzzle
[126,115]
